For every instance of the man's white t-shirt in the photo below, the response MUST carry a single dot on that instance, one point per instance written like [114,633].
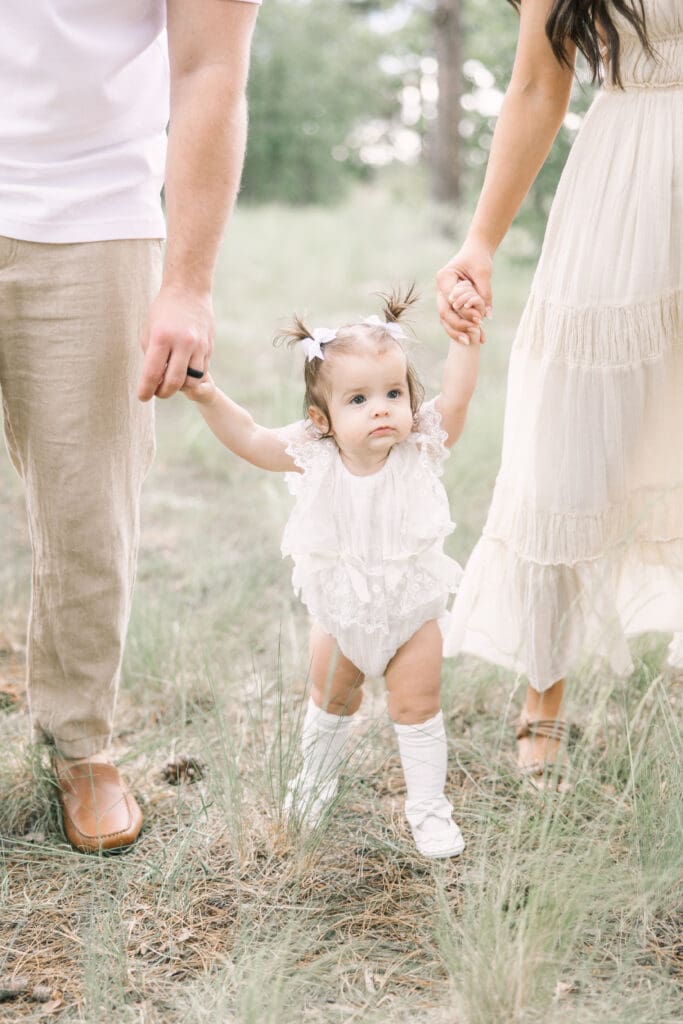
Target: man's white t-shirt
[84,94]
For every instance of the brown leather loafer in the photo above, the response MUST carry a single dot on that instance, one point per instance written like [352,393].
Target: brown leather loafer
[98,810]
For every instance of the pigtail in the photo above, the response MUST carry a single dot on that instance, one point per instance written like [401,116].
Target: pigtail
[397,303]
[314,392]
[292,335]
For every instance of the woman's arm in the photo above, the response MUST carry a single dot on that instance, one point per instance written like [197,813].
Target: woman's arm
[235,428]
[534,107]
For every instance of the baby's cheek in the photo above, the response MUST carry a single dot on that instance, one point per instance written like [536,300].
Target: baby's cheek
[408,420]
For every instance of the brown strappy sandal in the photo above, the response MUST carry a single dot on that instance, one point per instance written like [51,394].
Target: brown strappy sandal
[544,774]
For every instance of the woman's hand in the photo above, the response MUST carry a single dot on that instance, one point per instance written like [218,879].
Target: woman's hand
[474,263]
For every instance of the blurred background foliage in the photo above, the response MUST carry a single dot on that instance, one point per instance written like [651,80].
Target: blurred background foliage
[342,90]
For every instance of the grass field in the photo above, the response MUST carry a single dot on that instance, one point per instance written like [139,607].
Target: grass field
[562,909]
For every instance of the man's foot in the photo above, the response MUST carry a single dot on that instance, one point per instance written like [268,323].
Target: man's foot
[98,810]
[540,758]
[434,831]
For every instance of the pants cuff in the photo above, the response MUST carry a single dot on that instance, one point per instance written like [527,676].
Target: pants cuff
[84,747]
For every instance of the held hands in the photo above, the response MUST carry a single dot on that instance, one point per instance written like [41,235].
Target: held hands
[460,317]
[179,334]
[469,305]
[201,391]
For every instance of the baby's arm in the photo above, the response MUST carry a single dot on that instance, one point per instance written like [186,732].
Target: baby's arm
[460,370]
[235,428]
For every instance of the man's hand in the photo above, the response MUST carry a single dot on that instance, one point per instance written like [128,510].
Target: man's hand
[179,333]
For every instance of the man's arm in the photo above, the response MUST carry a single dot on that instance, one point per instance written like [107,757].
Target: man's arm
[209,43]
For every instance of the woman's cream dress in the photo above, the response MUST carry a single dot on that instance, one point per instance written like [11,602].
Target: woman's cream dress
[584,539]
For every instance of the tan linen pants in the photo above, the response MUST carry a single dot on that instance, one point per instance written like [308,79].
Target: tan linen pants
[71,317]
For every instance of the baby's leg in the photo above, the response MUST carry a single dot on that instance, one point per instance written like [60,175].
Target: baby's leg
[413,678]
[335,697]
[335,681]
[414,686]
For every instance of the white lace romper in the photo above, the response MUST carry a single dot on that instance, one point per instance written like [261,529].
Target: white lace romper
[368,551]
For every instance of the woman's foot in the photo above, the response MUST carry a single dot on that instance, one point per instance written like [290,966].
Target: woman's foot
[541,738]
[434,831]
[541,753]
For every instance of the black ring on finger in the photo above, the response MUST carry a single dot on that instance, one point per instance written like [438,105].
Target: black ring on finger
[197,374]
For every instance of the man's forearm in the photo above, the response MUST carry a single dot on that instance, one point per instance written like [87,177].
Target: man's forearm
[206,144]
[208,48]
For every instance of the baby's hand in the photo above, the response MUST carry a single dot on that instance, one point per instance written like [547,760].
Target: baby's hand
[202,391]
[468,303]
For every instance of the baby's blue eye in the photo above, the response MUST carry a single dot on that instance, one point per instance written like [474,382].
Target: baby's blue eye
[357,399]
[394,393]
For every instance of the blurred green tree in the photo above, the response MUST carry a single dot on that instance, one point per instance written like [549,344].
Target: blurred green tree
[315,78]
[447,149]
[339,87]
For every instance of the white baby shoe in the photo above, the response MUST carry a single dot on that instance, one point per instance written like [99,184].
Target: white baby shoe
[675,659]
[434,831]
[307,801]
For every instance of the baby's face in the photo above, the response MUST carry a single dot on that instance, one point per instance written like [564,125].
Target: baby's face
[369,403]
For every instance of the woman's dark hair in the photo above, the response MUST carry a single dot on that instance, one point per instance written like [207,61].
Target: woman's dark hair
[577,21]
[396,304]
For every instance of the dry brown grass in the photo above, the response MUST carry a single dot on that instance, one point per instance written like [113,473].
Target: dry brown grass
[219,900]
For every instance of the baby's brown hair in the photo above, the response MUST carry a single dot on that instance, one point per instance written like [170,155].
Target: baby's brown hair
[395,305]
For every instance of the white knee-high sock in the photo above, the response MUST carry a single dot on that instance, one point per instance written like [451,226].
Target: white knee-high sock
[424,756]
[323,743]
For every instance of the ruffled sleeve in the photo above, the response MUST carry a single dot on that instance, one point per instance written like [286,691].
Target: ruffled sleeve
[430,437]
[309,451]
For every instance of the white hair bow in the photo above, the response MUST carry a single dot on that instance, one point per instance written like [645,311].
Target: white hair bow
[312,345]
[395,330]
